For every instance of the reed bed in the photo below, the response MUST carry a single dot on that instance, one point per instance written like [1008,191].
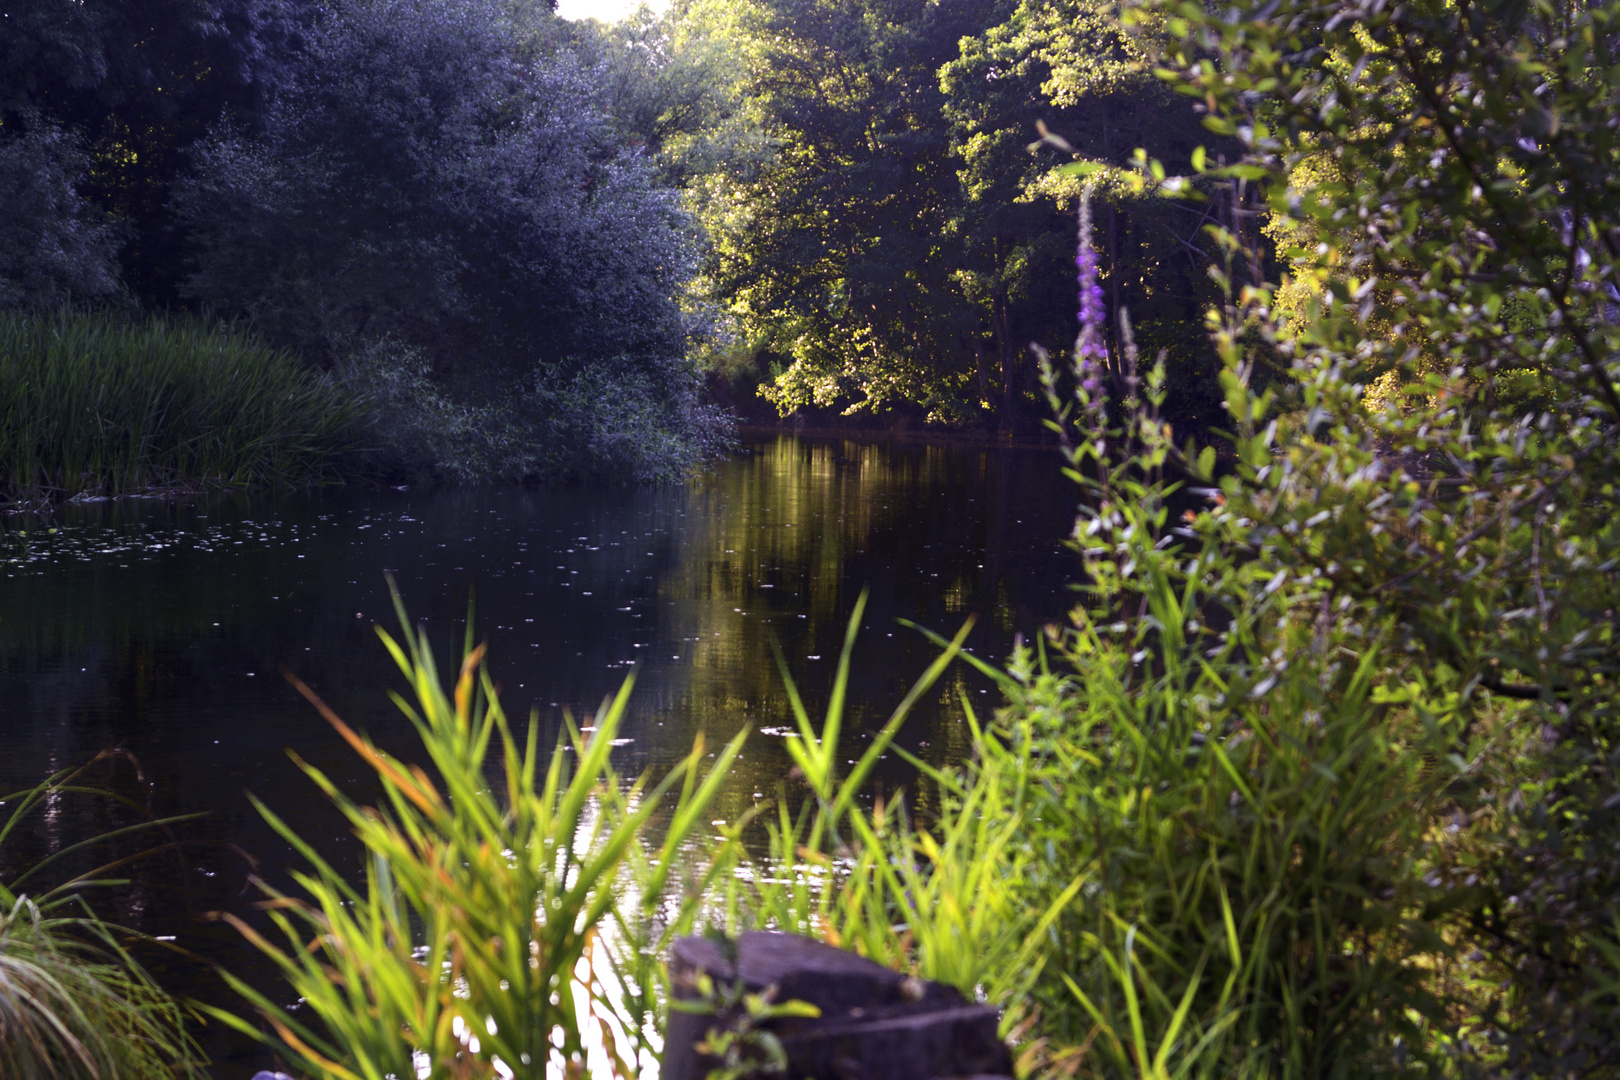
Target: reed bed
[96,403]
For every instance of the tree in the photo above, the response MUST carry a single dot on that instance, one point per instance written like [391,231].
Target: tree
[1456,170]
[441,175]
[1075,68]
[903,245]
[671,87]
[55,247]
[835,252]
[137,82]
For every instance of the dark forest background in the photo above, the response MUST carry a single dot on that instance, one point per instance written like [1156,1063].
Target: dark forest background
[525,246]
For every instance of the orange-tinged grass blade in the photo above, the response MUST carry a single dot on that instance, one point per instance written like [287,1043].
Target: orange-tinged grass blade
[464,683]
[425,797]
[284,902]
[291,1038]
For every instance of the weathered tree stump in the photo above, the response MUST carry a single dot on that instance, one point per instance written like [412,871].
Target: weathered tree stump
[875,1024]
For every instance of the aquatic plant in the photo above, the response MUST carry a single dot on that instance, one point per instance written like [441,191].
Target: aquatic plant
[932,898]
[509,914]
[96,403]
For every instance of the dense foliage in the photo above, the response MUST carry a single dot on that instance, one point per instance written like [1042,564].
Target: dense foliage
[439,183]
[897,248]
[136,82]
[54,248]
[1474,150]
[479,216]
[1321,778]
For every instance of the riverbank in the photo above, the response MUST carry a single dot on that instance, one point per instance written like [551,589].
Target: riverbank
[901,433]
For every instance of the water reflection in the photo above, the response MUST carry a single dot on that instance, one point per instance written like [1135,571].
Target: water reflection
[161,627]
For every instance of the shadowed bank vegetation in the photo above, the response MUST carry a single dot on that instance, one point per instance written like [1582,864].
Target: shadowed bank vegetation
[428,200]
[103,404]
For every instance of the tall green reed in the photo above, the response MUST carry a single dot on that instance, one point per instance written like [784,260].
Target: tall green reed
[1194,841]
[103,404]
[508,916]
[842,863]
[857,871]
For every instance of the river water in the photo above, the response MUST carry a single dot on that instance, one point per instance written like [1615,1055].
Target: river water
[161,628]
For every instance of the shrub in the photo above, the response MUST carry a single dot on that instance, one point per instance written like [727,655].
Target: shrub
[1470,218]
[412,429]
[602,420]
[442,181]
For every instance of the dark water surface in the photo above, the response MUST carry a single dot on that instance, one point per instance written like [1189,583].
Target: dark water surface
[161,628]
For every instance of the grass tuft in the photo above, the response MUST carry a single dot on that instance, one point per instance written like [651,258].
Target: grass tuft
[511,908]
[75,1006]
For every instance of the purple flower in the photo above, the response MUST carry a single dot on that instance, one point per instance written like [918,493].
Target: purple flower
[1090,351]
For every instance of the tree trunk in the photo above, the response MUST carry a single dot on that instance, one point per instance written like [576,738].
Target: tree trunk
[1007,353]
[981,364]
